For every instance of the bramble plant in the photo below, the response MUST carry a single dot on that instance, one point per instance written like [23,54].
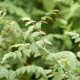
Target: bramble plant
[24,56]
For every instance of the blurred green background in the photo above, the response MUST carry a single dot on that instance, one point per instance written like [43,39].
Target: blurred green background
[66,19]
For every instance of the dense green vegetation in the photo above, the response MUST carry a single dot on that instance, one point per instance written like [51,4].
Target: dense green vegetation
[39,39]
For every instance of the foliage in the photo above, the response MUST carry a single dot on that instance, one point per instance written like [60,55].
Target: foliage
[39,48]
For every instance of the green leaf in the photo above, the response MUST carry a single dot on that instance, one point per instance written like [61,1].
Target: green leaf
[48,71]
[14,55]
[29,22]
[18,45]
[37,33]
[35,50]
[27,52]
[38,24]
[30,29]
[43,18]
[47,42]
[40,42]
[77,40]
[50,56]
[66,55]
[73,34]
[6,56]
[25,18]
[3,72]
[78,54]
[48,17]
[19,54]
